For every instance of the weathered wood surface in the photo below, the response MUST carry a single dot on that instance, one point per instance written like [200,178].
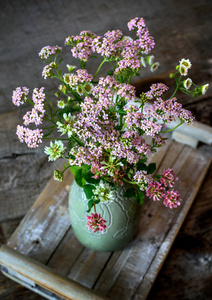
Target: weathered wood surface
[34,273]
[181,29]
[45,233]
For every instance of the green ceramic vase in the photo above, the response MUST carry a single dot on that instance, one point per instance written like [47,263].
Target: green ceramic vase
[122,216]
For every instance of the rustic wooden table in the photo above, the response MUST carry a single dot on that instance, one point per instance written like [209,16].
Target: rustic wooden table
[181,29]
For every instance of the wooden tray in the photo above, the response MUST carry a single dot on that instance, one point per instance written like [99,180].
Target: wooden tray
[44,255]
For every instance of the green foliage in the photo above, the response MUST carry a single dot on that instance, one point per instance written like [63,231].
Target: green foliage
[88,190]
[74,169]
[141,166]
[130,192]
[139,197]
[89,178]
[110,72]
[79,178]
[91,204]
[151,168]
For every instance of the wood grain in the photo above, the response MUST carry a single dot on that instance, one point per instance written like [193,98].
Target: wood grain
[45,233]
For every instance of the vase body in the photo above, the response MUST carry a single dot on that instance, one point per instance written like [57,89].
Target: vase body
[122,216]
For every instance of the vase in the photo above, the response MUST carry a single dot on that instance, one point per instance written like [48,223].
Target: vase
[122,215]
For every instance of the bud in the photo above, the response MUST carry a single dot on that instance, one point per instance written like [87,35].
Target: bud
[71,68]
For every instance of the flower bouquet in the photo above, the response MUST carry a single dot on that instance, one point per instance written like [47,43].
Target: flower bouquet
[103,126]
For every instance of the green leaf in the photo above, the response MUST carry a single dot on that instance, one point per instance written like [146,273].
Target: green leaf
[79,178]
[90,205]
[86,168]
[141,166]
[89,178]
[88,190]
[110,72]
[151,168]
[139,197]
[60,61]
[74,169]
[130,192]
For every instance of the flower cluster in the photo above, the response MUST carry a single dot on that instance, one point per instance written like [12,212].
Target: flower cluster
[158,189]
[20,96]
[31,137]
[96,222]
[103,126]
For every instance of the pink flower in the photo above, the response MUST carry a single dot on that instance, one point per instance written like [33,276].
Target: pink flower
[48,51]
[155,191]
[20,95]
[31,137]
[168,178]
[172,199]
[96,222]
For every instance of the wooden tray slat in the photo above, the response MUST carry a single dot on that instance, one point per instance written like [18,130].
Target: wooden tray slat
[45,233]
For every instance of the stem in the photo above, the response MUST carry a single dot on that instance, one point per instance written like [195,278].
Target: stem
[94,206]
[174,92]
[163,131]
[55,139]
[111,63]
[80,143]
[65,169]
[131,182]
[104,60]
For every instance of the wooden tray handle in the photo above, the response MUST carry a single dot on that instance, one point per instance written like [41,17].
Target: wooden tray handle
[42,279]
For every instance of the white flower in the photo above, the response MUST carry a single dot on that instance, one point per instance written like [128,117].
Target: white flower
[143,62]
[67,126]
[128,38]
[154,66]
[204,88]
[79,90]
[88,87]
[55,151]
[183,70]
[71,68]
[187,83]
[104,192]
[150,59]
[67,78]
[61,104]
[186,63]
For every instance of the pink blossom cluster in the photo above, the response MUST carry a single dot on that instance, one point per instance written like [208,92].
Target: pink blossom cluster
[144,41]
[108,87]
[20,95]
[109,45]
[172,199]
[47,70]
[142,179]
[96,222]
[157,189]
[37,113]
[114,45]
[136,120]
[31,137]
[81,77]
[105,88]
[156,90]
[82,45]
[96,126]
[47,51]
